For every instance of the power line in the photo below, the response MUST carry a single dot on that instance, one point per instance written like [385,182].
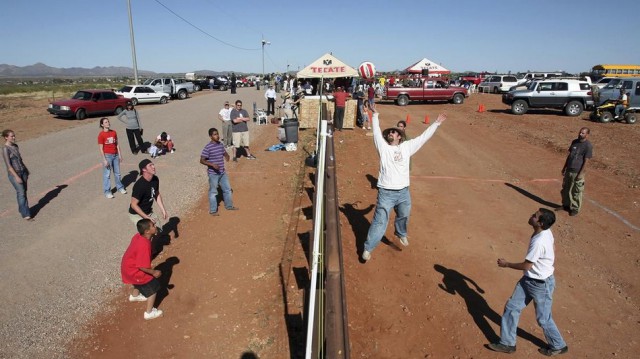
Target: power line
[202,31]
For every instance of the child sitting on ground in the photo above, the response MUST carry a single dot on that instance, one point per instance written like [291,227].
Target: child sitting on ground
[162,145]
[136,269]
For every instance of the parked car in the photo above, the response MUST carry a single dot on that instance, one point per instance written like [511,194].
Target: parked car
[89,103]
[179,88]
[570,95]
[142,94]
[604,81]
[499,83]
[432,89]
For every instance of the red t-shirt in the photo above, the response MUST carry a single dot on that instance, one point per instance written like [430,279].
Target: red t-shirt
[341,98]
[109,142]
[138,255]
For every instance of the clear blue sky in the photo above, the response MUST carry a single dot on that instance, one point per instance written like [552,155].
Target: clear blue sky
[476,35]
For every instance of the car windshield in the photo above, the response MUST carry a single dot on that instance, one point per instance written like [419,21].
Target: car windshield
[148,82]
[126,89]
[82,95]
[614,83]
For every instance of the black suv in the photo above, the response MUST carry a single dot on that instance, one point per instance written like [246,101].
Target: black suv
[570,95]
[219,82]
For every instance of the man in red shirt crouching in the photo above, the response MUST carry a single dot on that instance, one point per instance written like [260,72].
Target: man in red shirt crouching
[136,269]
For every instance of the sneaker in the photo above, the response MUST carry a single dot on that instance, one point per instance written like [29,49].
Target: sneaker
[109,195]
[123,191]
[501,348]
[251,157]
[235,159]
[215,214]
[137,298]
[573,213]
[551,352]
[403,240]
[232,209]
[366,255]
[155,313]
[173,151]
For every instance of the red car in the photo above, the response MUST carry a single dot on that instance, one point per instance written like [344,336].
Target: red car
[89,103]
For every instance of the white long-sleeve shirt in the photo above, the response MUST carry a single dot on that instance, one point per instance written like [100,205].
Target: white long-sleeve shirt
[270,93]
[394,160]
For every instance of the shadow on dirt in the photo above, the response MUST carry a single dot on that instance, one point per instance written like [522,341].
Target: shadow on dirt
[532,196]
[454,282]
[166,268]
[46,199]
[163,237]
[129,178]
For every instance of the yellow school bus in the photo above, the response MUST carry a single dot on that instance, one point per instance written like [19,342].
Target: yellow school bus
[609,70]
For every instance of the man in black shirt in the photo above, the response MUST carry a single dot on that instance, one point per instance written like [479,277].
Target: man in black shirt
[145,191]
[573,171]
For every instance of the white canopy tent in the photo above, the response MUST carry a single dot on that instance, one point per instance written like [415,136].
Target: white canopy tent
[434,68]
[327,66]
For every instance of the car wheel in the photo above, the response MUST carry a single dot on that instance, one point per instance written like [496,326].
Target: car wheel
[81,114]
[223,88]
[630,118]
[134,101]
[163,100]
[403,100]
[496,90]
[573,108]
[458,99]
[197,88]
[606,116]
[119,110]
[519,107]
[182,94]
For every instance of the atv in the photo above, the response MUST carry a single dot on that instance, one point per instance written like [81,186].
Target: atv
[605,113]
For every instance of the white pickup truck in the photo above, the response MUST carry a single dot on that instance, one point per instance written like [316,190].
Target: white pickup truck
[178,88]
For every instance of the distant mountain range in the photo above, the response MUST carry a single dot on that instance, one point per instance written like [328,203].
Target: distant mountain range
[42,70]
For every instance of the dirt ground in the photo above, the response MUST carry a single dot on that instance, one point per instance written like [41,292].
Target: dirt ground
[236,286]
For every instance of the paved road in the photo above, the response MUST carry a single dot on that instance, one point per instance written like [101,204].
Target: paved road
[57,270]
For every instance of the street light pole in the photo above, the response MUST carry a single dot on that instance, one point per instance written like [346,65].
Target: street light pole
[133,44]
[264,42]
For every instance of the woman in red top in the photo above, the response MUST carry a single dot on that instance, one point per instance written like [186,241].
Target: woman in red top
[111,157]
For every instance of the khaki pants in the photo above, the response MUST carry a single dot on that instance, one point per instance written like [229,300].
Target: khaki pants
[136,217]
[572,190]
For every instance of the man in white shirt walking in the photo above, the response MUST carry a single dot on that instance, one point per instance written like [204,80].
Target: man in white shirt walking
[537,284]
[393,180]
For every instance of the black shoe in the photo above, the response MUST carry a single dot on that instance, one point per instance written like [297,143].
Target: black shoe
[573,213]
[501,348]
[551,352]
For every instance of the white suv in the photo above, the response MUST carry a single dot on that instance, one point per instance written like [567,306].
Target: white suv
[498,83]
[572,96]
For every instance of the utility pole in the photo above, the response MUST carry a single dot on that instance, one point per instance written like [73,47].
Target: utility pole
[264,42]
[133,44]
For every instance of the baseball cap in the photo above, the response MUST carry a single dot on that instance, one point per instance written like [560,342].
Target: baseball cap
[226,102]
[143,164]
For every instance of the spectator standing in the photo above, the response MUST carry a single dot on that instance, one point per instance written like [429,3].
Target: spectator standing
[574,170]
[111,158]
[17,172]
[134,128]
[239,119]
[233,84]
[371,95]
[270,95]
[211,83]
[213,156]
[225,117]
[135,269]
[537,284]
[393,181]
[145,191]
[359,96]
[340,98]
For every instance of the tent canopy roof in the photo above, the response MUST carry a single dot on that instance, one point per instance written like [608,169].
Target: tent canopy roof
[425,63]
[327,66]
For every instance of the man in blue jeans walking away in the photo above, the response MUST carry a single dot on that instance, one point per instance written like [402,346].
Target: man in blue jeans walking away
[213,156]
[537,285]
[393,180]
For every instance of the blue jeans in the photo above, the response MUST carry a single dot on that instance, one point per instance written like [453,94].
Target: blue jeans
[223,181]
[21,193]
[398,200]
[541,292]
[113,162]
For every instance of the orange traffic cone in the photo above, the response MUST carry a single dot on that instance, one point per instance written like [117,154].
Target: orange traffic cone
[426,119]
[481,108]
[408,119]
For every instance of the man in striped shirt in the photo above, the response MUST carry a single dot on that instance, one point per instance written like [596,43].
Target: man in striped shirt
[213,156]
